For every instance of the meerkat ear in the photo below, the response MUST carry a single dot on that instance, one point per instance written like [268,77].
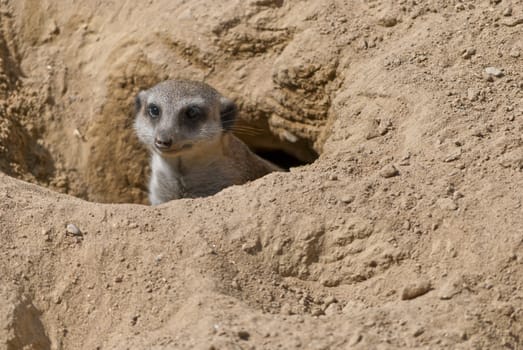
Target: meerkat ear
[228,113]
[138,101]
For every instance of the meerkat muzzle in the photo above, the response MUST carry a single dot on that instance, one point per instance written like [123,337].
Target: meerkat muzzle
[163,144]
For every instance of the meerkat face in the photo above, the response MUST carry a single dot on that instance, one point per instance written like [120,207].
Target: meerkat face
[176,116]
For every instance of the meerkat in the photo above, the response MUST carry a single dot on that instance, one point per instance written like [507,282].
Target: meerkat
[187,126]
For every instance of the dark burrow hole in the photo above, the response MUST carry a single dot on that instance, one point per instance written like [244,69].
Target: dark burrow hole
[268,145]
[279,157]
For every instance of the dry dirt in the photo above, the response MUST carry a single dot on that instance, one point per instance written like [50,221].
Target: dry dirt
[405,232]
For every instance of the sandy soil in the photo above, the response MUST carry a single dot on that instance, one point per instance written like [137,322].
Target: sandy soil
[404,228]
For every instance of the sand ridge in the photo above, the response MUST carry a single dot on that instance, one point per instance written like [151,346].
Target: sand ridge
[403,231]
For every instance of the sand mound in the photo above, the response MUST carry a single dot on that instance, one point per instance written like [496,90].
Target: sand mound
[400,229]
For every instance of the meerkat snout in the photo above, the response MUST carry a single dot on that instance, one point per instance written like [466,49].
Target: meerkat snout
[187,126]
[163,143]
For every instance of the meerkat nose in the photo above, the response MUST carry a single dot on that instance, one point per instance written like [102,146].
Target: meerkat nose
[163,143]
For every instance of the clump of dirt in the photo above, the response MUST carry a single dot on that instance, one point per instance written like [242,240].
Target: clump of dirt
[117,161]
[21,324]
[403,231]
[21,151]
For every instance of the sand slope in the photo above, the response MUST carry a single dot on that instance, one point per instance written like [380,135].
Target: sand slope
[405,232]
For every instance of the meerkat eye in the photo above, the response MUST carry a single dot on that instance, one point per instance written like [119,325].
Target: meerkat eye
[193,113]
[154,111]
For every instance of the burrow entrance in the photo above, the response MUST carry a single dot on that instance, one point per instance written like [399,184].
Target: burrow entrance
[102,160]
[75,135]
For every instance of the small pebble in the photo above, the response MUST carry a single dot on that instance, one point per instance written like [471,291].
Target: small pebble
[317,312]
[73,230]
[453,156]
[450,289]
[457,195]
[507,12]
[235,284]
[459,7]
[355,339]
[286,309]
[493,71]
[415,290]
[389,171]
[446,204]
[388,21]
[472,94]
[514,53]
[468,53]
[244,335]
[330,300]
[332,309]
[347,199]
[419,331]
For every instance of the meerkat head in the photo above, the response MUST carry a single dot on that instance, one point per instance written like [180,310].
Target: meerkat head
[178,115]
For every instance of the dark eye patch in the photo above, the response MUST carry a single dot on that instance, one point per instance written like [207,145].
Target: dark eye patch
[193,113]
[153,110]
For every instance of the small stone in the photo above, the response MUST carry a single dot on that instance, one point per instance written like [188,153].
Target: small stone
[459,7]
[118,279]
[472,94]
[507,12]
[244,335]
[47,234]
[73,230]
[388,21]
[457,195]
[370,323]
[389,171]
[134,319]
[235,284]
[453,156]
[468,53]
[333,177]
[332,309]
[355,339]
[347,199]
[252,246]
[514,53]
[488,77]
[493,71]
[286,309]
[53,28]
[415,290]
[450,289]
[78,134]
[419,331]
[446,204]
[317,312]
[330,300]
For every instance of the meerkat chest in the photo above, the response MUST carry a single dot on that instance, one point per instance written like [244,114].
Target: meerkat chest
[206,180]
[177,178]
